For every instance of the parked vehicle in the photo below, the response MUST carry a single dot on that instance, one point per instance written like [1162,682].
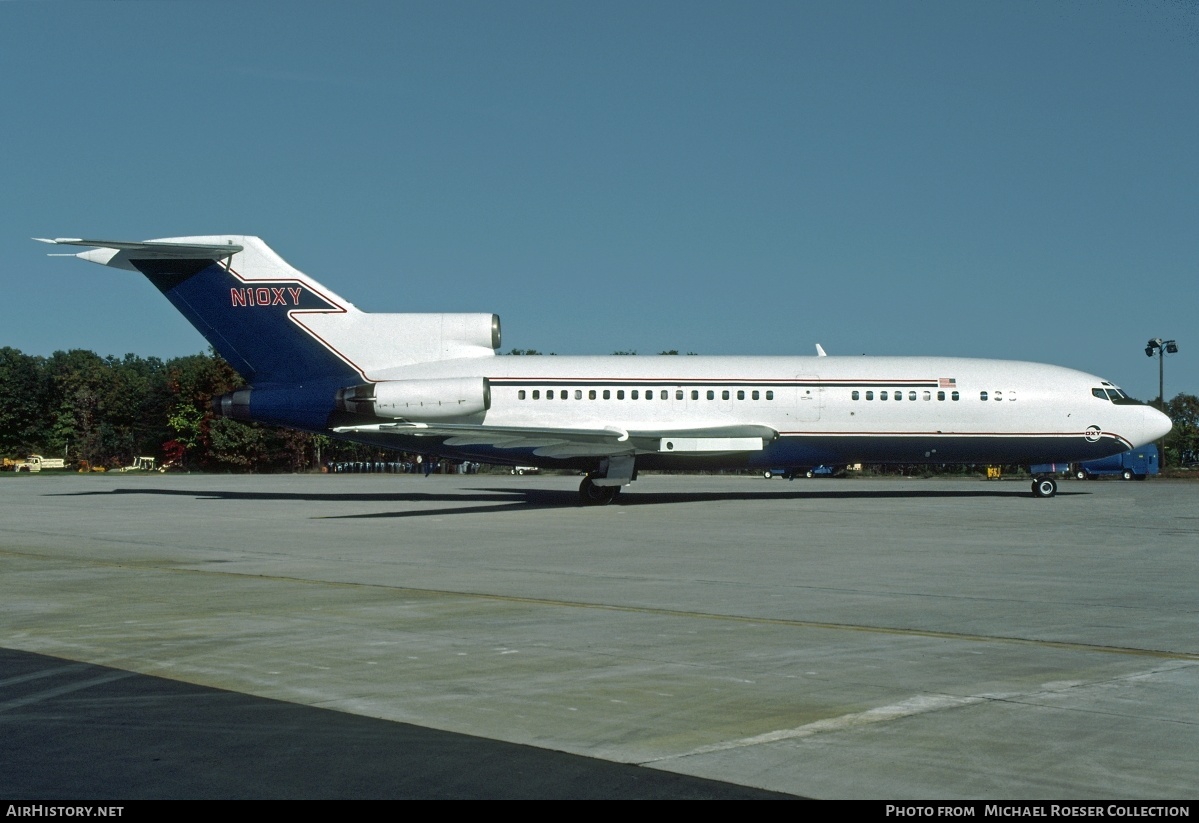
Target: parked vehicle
[1135,464]
[35,463]
[140,464]
[789,474]
[525,470]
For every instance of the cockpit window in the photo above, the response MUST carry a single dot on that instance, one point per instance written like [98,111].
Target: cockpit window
[1115,395]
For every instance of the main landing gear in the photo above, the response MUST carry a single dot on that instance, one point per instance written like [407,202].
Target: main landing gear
[602,484]
[1044,487]
[592,495]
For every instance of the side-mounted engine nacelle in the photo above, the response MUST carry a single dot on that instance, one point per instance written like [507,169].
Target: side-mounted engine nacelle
[419,400]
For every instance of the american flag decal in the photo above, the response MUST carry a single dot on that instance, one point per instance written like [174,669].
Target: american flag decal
[947,383]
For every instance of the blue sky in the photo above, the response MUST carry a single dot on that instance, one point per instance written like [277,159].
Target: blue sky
[1010,180]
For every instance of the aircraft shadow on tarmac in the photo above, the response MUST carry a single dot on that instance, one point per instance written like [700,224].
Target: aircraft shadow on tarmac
[75,729]
[488,500]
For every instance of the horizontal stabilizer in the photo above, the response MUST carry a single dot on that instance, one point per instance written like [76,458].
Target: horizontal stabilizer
[153,249]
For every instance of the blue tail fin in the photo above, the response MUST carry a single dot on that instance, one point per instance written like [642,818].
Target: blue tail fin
[246,301]
[274,324]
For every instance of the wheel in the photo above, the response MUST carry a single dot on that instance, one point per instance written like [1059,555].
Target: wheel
[768,474]
[593,495]
[521,472]
[1081,474]
[809,474]
[1127,475]
[1044,487]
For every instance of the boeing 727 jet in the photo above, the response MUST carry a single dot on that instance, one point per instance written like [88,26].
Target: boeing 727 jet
[432,384]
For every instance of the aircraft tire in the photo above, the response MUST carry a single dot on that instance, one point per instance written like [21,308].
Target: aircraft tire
[768,474]
[1127,474]
[593,495]
[1081,474]
[1044,487]
[809,474]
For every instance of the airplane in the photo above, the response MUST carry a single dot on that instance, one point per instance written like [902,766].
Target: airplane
[432,384]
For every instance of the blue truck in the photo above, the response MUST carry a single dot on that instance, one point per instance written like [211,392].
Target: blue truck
[1136,464]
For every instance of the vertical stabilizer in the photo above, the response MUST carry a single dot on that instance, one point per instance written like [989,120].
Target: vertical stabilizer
[274,324]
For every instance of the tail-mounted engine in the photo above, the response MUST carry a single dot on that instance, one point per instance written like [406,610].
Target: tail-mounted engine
[235,405]
[419,400]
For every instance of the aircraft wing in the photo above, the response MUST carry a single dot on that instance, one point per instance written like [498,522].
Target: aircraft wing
[602,442]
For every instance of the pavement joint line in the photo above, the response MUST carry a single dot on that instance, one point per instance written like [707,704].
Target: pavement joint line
[916,705]
[652,610]
[38,675]
[919,704]
[20,702]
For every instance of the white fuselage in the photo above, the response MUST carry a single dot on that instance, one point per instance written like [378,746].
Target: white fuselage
[843,409]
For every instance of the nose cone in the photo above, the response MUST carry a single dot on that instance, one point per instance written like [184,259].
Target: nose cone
[1150,425]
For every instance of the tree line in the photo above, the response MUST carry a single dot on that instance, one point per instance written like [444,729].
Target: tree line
[106,411]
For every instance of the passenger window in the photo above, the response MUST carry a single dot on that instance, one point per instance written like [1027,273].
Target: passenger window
[912,395]
[521,394]
[999,395]
[591,394]
[536,394]
[724,395]
[579,394]
[678,394]
[940,395]
[928,395]
[1011,395]
[769,395]
[955,396]
[634,394]
[869,395]
[665,395]
[982,395]
[882,395]
[564,394]
[649,395]
[607,394]
[756,395]
[740,395]
[855,395]
[694,395]
[711,394]
[620,394]
[899,395]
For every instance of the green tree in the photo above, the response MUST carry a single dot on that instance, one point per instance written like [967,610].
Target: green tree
[186,422]
[24,423]
[1182,443]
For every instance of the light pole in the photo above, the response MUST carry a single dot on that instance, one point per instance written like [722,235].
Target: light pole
[1162,347]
